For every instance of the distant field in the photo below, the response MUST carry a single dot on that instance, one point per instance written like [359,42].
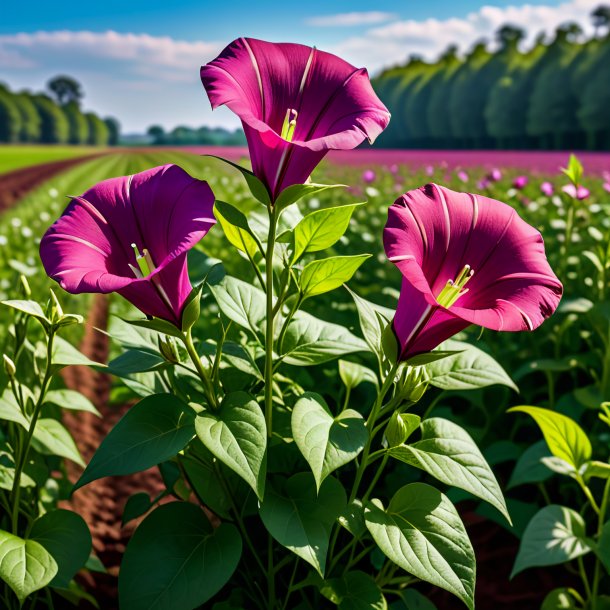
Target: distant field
[16,156]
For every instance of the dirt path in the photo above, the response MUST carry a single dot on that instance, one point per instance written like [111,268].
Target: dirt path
[14,185]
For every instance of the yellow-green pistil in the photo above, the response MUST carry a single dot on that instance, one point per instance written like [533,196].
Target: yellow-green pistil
[145,262]
[290,124]
[454,289]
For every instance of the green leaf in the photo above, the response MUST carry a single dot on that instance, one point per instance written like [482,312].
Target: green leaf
[70,399]
[414,600]
[327,274]
[31,308]
[310,341]
[448,453]
[257,188]
[65,354]
[136,505]
[301,519]
[65,535]
[321,229]
[564,437]
[156,325]
[422,533]
[354,591]
[176,559]
[469,369]
[373,321]
[529,467]
[236,228]
[574,171]
[242,303]
[136,361]
[326,442]
[236,434]
[352,519]
[560,599]
[151,432]
[555,534]
[353,374]
[294,192]
[51,438]
[25,565]
[602,549]
[10,411]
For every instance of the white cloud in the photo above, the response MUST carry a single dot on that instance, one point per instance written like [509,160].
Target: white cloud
[393,43]
[351,19]
[136,54]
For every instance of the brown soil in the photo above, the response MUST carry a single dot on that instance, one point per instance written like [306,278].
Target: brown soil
[101,503]
[14,185]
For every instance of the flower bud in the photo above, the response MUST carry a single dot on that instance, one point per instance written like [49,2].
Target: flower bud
[9,366]
[55,311]
[400,427]
[389,343]
[169,349]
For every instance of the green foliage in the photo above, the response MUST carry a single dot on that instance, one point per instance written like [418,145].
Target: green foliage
[54,126]
[99,134]
[10,117]
[30,119]
[78,124]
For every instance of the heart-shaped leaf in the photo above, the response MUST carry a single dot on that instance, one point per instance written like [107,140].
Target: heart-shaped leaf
[354,591]
[555,534]
[25,565]
[65,535]
[422,533]
[327,274]
[301,519]
[177,560]
[151,432]
[326,442]
[237,435]
[447,452]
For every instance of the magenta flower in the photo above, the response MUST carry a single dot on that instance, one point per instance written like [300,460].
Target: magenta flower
[131,235]
[483,184]
[463,176]
[494,175]
[295,103]
[546,188]
[520,182]
[368,176]
[576,192]
[429,170]
[606,186]
[465,259]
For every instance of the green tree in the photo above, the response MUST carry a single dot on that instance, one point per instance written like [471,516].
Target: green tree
[601,18]
[114,130]
[54,127]
[99,133]
[78,124]
[30,119]
[10,117]
[157,133]
[65,89]
[551,115]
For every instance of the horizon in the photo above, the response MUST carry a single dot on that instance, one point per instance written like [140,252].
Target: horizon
[142,67]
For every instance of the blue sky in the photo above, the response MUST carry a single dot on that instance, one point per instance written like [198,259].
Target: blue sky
[140,60]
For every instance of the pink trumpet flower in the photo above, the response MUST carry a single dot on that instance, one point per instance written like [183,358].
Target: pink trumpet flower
[546,188]
[131,235]
[295,103]
[576,192]
[465,259]
[494,175]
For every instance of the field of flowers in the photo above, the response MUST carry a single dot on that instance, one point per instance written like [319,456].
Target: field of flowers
[551,465]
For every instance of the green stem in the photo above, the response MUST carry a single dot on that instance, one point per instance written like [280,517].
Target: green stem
[378,474]
[588,494]
[293,310]
[208,388]
[584,578]
[25,449]
[370,424]
[600,527]
[270,316]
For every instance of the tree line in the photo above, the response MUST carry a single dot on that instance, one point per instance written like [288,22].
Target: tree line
[53,117]
[189,136]
[555,95]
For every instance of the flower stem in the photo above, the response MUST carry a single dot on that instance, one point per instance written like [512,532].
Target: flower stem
[270,316]
[203,374]
[370,424]
[600,527]
[25,449]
